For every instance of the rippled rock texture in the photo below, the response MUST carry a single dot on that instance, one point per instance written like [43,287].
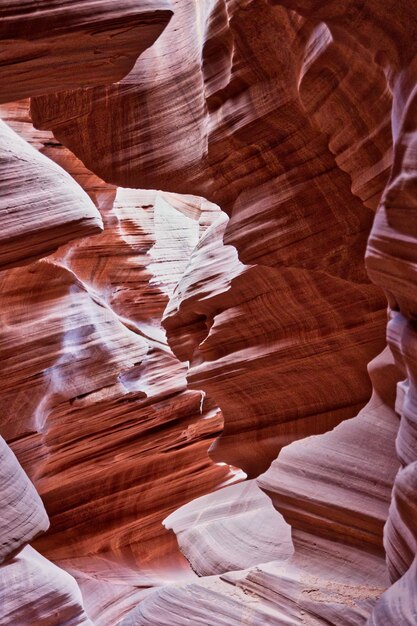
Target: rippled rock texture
[206,208]
[52,45]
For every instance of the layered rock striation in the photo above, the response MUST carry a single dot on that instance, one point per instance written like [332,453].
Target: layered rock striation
[100,417]
[49,46]
[202,231]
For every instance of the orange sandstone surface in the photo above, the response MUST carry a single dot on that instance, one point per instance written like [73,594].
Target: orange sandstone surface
[208,312]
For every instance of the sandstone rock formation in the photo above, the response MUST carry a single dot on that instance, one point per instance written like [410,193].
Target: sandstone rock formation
[23,514]
[34,224]
[105,380]
[49,46]
[253,369]
[34,591]
[256,142]
[206,208]
[230,530]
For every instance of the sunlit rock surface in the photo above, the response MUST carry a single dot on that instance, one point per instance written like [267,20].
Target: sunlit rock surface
[334,490]
[23,514]
[100,376]
[34,591]
[244,158]
[33,222]
[225,112]
[230,530]
[250,337]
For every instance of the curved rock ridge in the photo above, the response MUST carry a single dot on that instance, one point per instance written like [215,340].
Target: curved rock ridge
[353,112]
[276,128]
[105,388]
[334,490]
[244,104]
[276,594]
[50,45]
[232,529]
[225,112]
[106,427]
[34,224]
[388,31]
[328,486]
[252,333]
[34,591]
[23,515]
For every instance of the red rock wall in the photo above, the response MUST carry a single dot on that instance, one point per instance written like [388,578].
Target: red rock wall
[193,338]
[52,45]
[100,416]
[246,127]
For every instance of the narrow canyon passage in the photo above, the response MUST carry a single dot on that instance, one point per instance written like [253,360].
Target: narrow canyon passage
[207,313]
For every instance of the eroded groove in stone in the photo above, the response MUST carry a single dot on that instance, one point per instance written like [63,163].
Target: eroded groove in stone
[52,45]
[227,319]
[34,224]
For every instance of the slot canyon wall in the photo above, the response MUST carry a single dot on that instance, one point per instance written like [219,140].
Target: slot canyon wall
[207,313]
